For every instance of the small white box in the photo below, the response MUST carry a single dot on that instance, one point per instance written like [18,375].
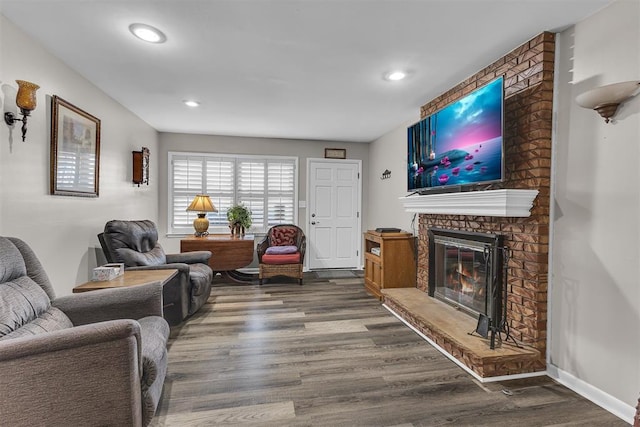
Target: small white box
[107,272]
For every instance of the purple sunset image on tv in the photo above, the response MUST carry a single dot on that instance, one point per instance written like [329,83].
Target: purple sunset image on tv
[461,144]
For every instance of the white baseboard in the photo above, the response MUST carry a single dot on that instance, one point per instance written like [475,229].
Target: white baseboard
[604,400]
[462,365]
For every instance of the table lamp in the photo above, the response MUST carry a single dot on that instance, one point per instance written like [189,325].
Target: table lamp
[201,204]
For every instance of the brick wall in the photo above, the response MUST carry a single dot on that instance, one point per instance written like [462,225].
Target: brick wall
[528,80]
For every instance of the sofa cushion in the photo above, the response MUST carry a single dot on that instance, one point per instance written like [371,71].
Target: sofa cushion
[51,320]
[281,250]
[281,259]
[21,301]
[283,236]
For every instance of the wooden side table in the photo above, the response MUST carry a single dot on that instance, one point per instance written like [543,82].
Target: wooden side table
[173,296]
[229,253]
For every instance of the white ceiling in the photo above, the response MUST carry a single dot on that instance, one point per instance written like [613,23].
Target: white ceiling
[303,69]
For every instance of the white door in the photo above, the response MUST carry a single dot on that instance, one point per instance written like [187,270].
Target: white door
[333,213]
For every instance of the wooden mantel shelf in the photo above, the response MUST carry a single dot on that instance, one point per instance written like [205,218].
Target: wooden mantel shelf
[502,203]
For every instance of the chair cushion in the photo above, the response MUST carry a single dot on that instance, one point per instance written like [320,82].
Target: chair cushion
[49,321]
[135,243]
[21,301]
[283,236]
[281,250]
[132,258]
[281,259]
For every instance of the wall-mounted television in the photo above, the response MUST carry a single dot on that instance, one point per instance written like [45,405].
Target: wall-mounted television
[459,145]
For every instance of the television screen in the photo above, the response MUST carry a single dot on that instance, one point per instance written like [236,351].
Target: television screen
[460,144]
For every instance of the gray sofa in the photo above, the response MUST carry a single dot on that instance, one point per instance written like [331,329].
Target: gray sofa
[94,358]
[135,243]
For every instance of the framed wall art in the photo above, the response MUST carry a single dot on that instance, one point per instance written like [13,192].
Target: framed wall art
[335,153]
[75,150]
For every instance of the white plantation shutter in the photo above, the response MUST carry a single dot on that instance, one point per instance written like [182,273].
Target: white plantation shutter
[220,176]
[281,196]
[250,190]
[265,185]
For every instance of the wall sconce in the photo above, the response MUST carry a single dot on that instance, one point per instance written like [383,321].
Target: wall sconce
[606,99]
[26,101]
[201,204]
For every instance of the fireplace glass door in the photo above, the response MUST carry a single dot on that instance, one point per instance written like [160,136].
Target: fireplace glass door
[462,273]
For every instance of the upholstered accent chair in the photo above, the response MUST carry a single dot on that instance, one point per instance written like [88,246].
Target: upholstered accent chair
[281,252]
[135,243]
[93,358]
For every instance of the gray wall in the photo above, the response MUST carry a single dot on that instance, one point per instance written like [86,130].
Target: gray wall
[61,229]
[594,314]
[303,149]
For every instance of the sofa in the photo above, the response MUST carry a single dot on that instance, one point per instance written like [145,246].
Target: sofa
[94,358]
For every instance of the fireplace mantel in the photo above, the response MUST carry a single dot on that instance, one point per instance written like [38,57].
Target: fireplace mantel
[502,203]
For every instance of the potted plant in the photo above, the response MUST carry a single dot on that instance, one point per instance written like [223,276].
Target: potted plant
[239,218]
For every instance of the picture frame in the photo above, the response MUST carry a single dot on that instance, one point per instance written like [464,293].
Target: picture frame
[335,153]
[75,150]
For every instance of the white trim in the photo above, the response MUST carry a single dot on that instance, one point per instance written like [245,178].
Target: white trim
[617,407]
[462,365]
[502,203]
[552,192]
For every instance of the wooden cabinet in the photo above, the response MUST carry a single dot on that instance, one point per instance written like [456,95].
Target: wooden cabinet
[389,261]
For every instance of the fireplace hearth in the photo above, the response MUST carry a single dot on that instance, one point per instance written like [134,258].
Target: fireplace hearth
[466,271]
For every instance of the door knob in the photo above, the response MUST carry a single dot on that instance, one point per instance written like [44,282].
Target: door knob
[313,223]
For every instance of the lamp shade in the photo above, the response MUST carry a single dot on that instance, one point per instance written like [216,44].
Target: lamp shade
[26,96]
[202,203]
[606,99]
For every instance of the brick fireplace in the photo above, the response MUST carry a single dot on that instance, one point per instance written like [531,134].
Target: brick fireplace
[528,80]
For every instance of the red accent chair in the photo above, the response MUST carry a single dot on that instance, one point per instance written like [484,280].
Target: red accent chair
[281,252]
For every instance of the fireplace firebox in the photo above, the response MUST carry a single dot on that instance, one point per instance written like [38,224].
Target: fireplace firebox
[466,271]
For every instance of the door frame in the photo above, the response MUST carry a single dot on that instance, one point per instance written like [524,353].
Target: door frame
[359,207]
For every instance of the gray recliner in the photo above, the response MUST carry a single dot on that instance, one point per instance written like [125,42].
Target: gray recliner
[94,358]
[135,243]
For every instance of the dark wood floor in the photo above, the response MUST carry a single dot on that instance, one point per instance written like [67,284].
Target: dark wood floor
[327,354]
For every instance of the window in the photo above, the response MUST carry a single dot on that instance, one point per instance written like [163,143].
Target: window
[266,185]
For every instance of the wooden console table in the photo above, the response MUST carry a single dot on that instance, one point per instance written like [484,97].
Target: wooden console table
[229,252]
[173,299]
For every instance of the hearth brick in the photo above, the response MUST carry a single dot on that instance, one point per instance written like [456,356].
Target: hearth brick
[528,72]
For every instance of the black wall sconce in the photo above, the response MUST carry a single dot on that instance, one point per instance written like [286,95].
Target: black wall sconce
[26,101]
[386,174]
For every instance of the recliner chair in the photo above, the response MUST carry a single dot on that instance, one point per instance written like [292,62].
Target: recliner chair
[94,358]
[135,243]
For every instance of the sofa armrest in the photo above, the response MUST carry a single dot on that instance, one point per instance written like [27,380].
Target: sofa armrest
[132,302]
[70,374]
[190,257]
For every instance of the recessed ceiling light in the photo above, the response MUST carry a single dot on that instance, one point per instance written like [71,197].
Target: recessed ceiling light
[190,103]
[147,33]
[396,75]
